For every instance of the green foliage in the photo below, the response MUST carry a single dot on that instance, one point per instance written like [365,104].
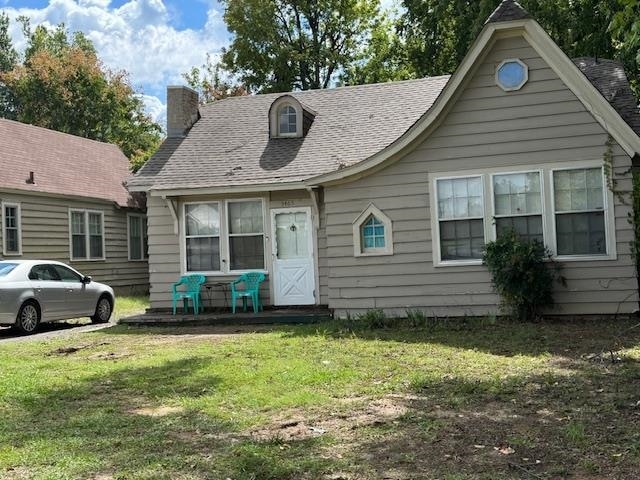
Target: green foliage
[522,273]
[284,45]
[212,82]
[438,33]
[63,86]
[8,60]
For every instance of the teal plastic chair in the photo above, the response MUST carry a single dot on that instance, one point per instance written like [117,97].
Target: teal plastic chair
[251,281]
[191,292]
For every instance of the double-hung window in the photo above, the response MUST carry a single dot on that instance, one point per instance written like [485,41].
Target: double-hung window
[202,236]
[137,233]
[87,235]
[567,208]
[246,235]
[235,244]
[579,211]
[11,229]
[518,204]
[460,218]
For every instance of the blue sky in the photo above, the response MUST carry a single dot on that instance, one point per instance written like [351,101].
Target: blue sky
[154,40]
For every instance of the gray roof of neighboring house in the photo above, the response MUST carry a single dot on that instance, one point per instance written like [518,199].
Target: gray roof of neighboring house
[230,144]
[62,164]
[508,10]
[609,78]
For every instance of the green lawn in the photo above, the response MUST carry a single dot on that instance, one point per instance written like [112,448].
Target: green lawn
[472,400]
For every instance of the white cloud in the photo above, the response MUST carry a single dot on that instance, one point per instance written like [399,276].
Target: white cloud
[155,108]
[137,37]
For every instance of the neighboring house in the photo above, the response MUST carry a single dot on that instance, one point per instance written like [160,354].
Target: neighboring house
[383,196]
[63,198]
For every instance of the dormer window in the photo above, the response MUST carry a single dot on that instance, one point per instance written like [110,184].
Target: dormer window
[287,124]
[286,118]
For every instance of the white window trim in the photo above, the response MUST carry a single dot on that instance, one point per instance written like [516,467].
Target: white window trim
[548,204]
[86,213]
[609,218]
[224,238]
[144,257]
[435,219]
[524,80]
[274,117]
[16,205]
[358,249]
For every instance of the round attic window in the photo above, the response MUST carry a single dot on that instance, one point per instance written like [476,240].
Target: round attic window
[512,74]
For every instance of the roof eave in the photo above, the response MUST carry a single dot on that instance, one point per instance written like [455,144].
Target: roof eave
[227,189]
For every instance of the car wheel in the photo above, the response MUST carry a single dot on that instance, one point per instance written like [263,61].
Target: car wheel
[103,310]
[28,318]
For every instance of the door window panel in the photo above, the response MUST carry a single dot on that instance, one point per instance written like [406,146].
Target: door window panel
[292,236]
[65,274]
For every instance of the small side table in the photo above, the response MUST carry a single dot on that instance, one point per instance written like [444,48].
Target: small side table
[224,286]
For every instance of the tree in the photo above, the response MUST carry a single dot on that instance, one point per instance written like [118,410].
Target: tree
[384,59]
[438,33]
[283,45]
[63,86]
[625,29]
[8,60]
[210,82]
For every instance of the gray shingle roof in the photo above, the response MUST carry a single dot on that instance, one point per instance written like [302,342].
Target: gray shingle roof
[230,144]
[609,78]
[508,10]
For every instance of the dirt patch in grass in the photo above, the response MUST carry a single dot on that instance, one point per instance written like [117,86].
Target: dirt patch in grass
[160,411]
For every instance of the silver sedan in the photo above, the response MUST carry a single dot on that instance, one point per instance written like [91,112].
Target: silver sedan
[35,291]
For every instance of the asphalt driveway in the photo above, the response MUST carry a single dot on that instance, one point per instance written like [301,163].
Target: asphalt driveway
[48,331]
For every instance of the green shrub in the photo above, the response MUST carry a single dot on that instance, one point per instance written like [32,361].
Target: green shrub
[522,273]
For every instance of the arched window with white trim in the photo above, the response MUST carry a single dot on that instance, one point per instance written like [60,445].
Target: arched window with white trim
[286,118]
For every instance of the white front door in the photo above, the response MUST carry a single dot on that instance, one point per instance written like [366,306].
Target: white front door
[293,266]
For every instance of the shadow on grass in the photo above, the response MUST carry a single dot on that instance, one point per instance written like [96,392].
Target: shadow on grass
[128,424]
[567,338]
[548,426]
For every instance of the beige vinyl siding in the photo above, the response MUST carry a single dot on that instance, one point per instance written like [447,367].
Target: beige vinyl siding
[164,249]
[487,128]
[45,235]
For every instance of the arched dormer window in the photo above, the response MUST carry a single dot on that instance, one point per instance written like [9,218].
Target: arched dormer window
[372,234]
[287,121]
[286,117]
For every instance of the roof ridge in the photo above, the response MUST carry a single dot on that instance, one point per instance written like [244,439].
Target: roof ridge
[327,90]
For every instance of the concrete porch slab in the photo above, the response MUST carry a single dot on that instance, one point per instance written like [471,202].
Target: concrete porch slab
[275,316]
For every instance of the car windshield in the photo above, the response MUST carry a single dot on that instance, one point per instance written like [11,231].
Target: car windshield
[6,268]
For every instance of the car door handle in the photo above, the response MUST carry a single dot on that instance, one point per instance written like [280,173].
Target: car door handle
[69,290]
[38,291]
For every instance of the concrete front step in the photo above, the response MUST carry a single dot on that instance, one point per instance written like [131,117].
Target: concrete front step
[276,316]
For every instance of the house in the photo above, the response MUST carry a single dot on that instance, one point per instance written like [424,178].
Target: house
[63,198]
[383,196]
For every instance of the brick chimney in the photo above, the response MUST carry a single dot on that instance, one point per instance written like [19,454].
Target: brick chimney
[182,110]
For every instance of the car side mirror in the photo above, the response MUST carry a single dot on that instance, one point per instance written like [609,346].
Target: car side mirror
[86,279]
